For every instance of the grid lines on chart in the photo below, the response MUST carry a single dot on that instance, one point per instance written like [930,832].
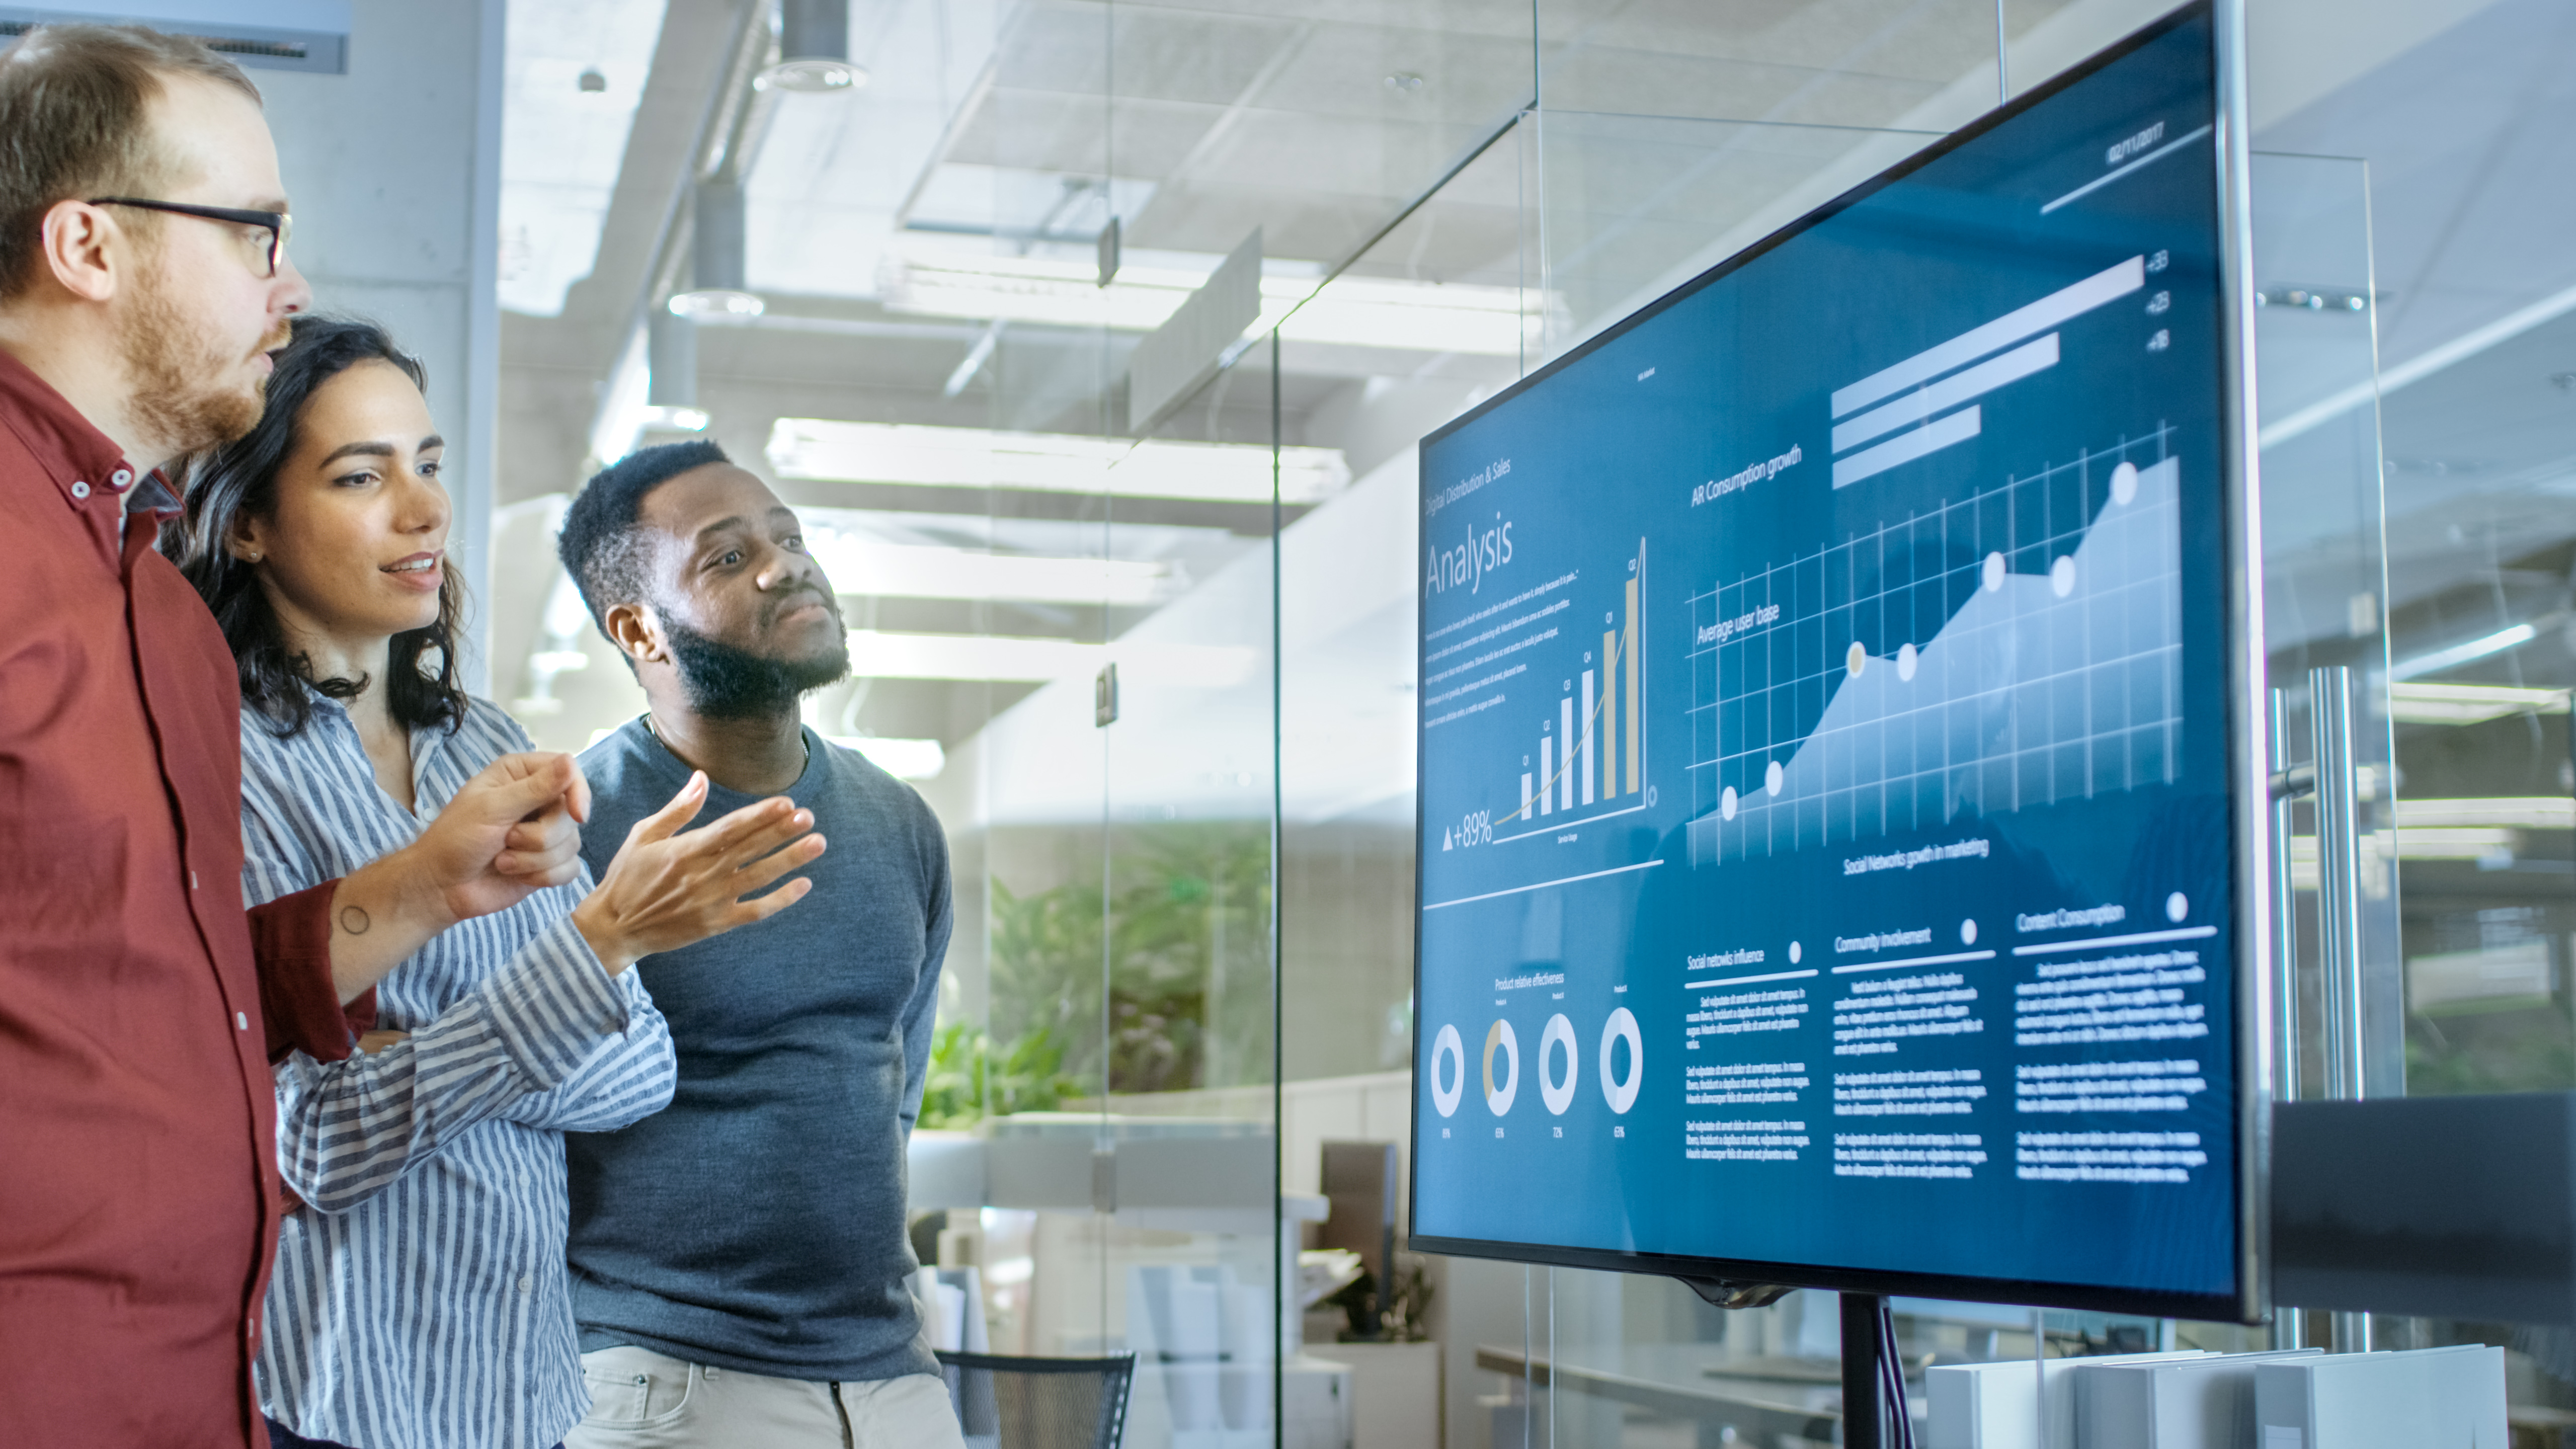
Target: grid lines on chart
[1956,714]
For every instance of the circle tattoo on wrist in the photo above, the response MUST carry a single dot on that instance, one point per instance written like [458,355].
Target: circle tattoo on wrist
[354,920]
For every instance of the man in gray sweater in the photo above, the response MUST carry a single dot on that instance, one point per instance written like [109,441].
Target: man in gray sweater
[738,1260]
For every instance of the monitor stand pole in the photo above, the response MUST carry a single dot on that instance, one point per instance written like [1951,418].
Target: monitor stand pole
[1862,1409]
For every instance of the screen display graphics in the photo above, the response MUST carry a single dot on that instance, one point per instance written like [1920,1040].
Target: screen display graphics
[1825,842]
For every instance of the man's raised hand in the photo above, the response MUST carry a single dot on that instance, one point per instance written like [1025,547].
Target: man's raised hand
[666,890]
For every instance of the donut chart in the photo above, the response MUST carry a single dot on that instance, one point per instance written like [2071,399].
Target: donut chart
[1448,1049]
[1500,1098]
[1622,1026]
[1557,1084]
[1557,1095]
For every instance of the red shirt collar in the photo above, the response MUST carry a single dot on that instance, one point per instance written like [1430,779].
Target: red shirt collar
[88,467]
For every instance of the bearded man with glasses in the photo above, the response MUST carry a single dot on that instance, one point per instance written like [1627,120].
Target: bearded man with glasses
[143,284]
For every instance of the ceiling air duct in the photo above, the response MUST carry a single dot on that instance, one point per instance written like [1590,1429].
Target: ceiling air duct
[305,35]
[670,362]
[813,49]
[717,264]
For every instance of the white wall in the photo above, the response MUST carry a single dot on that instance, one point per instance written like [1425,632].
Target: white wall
[394,173]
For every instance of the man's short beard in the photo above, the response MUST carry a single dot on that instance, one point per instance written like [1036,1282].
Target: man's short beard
[724,682]
[172,367]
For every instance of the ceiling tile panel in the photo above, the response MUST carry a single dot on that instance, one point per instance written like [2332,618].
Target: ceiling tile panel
[1447,17]
[1186,55]
[1330,153]
[1060,131]
[1316,226]
[1148,52]
[1928,39]
[1369,72]
[1699,87]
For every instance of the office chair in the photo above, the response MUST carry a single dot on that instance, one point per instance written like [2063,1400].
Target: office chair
[1006,1402]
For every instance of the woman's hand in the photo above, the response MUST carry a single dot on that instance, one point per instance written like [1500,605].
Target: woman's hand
[666,890]
[513,830]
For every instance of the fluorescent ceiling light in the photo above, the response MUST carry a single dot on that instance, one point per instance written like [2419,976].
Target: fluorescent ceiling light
[2459,654]
[1417,316]
[2463,704]
[2451,842]
[677,419]
[864,566]
[903,759]
[1351,311]
[1006,659]
[999,658]
[813,78]
[2413,842]
[2526,812]
[716,302]
[822,450]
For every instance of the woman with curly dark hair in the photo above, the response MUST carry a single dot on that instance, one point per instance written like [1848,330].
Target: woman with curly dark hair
[420,1297]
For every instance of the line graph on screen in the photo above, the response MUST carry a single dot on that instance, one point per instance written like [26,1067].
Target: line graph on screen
[2011,648]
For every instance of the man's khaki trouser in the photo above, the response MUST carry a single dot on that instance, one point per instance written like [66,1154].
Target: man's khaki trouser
[646,1400]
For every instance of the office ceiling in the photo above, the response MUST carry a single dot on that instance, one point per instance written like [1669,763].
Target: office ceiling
[1001,135]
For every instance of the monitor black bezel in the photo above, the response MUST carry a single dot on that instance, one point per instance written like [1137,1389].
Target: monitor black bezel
[2245,728]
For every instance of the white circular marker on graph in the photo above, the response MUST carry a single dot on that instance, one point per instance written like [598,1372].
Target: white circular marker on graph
[1994,572]
[1855,659]
[1726,803]
[1968,932]
[2177,906]
[1905,661]
[1771,777]
[2061,575]
[1794,953]
[2124,484]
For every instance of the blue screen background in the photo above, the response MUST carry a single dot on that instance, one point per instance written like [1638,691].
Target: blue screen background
[1838,875]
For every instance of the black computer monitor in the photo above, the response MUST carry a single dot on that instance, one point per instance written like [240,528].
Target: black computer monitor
[1839,795]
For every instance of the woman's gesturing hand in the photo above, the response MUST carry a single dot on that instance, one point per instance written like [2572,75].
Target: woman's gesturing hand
[665,889]
[511,831]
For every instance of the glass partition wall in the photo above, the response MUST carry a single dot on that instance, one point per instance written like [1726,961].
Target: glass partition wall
[1650,152]
[1115,1034]
[1140,629]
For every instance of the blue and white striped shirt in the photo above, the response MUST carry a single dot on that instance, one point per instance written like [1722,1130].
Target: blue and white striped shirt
[420,1299]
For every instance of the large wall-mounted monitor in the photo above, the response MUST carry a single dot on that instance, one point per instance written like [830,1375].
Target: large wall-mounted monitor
[1835,753]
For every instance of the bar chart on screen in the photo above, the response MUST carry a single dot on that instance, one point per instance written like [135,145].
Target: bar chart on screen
[1564,659]
[1939,379]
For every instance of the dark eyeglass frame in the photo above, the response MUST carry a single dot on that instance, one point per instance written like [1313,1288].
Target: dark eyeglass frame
[280,224]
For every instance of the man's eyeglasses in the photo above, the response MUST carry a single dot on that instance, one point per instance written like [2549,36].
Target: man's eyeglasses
[278,224]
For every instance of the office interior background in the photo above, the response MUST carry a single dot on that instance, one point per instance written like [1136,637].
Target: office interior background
[1184,940]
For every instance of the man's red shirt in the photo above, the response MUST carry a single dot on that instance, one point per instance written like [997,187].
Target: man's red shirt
[140,1007]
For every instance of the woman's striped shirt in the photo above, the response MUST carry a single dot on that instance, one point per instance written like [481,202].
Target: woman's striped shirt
[420,1299]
